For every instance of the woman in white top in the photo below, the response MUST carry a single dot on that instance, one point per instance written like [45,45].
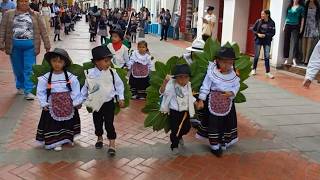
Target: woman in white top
[209,21]
[46,14]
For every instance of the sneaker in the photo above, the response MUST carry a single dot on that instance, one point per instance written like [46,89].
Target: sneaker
[58,148]
[181,142]
[294,61]
[269,75]
[99,145]
[253,72]
[29,97]
[20,92]
[285,61]
[111,151]
[217,152]
[175,151]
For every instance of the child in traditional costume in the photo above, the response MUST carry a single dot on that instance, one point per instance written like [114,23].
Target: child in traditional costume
[120,51]
[103,87]
[60,98]
[139,67]
[220,86]
[179,102]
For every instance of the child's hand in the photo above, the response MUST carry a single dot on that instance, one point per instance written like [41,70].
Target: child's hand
[199,105]
[78,106]
[121,104]
[228,94]
[46,108]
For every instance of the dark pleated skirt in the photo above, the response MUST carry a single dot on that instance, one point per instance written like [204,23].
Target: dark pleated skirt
[139,85]
[52,133]
[220,130]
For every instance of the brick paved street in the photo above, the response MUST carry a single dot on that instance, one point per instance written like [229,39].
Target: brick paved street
[279,131]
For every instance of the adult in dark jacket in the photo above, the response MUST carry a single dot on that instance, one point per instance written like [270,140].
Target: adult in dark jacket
[264,30]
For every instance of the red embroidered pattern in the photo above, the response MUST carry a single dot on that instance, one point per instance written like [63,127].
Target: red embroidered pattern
[219,103]
[61,104]
[139,70]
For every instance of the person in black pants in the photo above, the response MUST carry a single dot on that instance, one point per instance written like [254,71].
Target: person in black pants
[111,90]
[165,18]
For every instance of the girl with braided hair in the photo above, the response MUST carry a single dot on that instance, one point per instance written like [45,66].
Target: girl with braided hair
[59,96]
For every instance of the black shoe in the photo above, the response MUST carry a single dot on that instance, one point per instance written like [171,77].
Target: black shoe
[99,145]
[217,152]
[165,39]
[161,39]
[59,40]
[112,151]
[90,40]
[54,40]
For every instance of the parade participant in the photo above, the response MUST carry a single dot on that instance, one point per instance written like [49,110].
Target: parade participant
[93,28]
[58,92]
[57,28]
[103,32]
[221,84]
[102,89]
[120,51]
[313,66]
[139,67]
[179,102]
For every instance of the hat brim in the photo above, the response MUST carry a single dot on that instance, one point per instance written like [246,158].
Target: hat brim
[95,59]
[227,58]
[193,50]
[48,56]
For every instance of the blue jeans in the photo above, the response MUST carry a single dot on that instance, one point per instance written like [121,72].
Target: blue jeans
[266,51]
[22,59]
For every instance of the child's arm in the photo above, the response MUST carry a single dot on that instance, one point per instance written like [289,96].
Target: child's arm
[205,88]
[42,92]
[126,56]
[150,63]
[84,91]
[164,84]
[130,61]
[76,93]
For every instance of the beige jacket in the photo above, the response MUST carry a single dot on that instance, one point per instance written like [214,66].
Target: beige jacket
[6,31]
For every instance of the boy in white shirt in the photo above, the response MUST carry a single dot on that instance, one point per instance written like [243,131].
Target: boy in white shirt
[179,102]
[102,89]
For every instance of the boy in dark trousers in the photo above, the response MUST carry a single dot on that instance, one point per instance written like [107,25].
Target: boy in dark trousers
[102,89]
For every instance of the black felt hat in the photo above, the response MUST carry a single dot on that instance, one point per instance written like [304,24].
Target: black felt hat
[60,52]
[100,52]
[182,69]
[117,31]
[226,53]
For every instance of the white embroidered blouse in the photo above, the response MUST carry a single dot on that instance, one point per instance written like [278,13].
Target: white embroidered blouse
[142,59]
[58,84]
[216,81]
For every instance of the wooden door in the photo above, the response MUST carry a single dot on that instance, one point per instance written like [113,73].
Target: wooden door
[220,20]
[256,6]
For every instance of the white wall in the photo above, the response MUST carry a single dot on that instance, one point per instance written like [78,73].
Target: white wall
[278,14]
[235,22]
[228,19]
[203,4]
[240,27]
